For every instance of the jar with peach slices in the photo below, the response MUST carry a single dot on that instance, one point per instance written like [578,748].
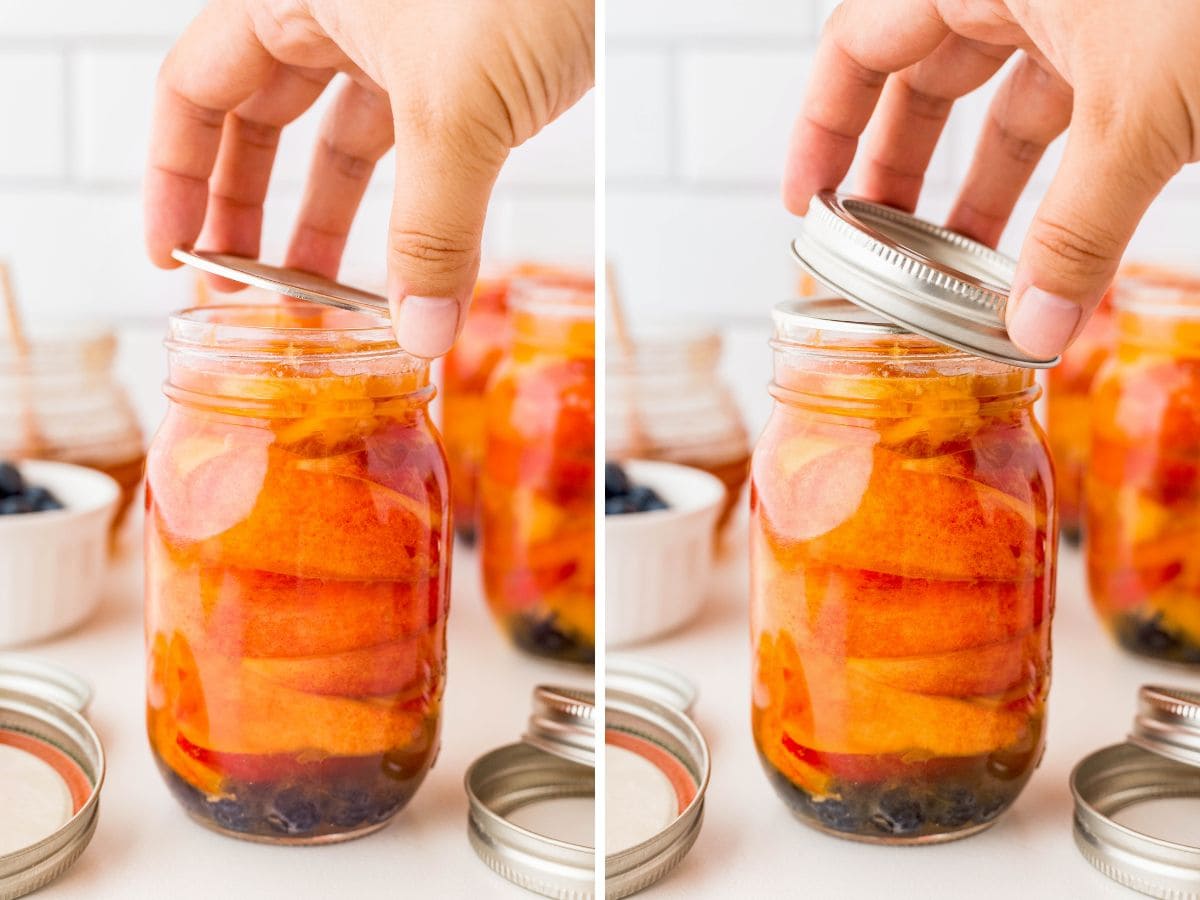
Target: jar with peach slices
[297,573]
[1143,488]
[903,549]
[465,373]
[537,487]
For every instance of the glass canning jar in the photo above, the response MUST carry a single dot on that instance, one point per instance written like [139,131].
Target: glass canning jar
[1142,529]
[666,401]
[61,400]
[297,573]
[537,485]
[465,373]
[903,549]
[1068,412]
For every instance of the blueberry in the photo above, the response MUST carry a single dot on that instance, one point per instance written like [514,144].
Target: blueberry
[837,815]
[292,812]
[230,814]
[11,481]
[898,813]
[41,499]
[1152,637]
[616,506]
[15,505]
[955,807]
[616,482]
[351,808]
[386,806]
[990,807]
[645,499]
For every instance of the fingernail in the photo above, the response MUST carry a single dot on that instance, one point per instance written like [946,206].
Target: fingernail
[1042,324]
[425,326]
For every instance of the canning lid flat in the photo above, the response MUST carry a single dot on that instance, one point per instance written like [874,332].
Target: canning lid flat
[289,282]
[670,741]
[924,277]
[59,760]
[555,759]
[1160,760]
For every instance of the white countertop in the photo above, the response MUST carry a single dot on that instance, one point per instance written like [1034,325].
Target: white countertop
[146,847]
[751,846]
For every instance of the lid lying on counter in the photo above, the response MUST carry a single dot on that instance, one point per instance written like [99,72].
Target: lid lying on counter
[51,772]
[1116,830]
[657,774]
[531,814]
[289,282]
[930,280]
[532,804]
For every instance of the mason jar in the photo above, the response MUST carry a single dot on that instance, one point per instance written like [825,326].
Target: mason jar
[297,573]
[666,401]
[60,400]
[537,485]
[1143,488]
[903,546]
[465,373]
[1069,410]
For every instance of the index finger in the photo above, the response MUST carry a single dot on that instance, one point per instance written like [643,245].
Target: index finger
[864,42]
[217,64]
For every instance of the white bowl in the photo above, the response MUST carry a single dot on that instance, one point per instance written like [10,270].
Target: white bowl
[659,564]
[52,564]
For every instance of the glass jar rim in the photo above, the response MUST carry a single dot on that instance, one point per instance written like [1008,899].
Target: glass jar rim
[1153,290]
[553,300]
[199,329]
[798,324]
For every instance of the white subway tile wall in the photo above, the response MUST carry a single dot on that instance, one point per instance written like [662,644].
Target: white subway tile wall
[695,225]
[78,81]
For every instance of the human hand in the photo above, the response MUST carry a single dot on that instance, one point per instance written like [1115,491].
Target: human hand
[1124,77]
[455,86]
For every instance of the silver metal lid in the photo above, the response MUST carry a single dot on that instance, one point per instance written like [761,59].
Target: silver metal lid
[669,738]
[1160,760]
[46,680]
[1168,723]
[1107,782]
[634,675]
[563,723]
[928,279]
[505,780]
[281,280]
[555,760]
[55,735]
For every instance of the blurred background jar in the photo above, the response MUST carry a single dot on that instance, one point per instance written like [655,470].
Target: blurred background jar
[1142,523]
[666,401]
[465,373]
[60,400]
[537,483]
[1068,413]
[902,541]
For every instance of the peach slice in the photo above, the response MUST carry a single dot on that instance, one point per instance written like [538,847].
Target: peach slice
[245,713]
[853,714]
[245,612]
[1015,665]
[861,613]
[411,667]
[914,524]
[811,484]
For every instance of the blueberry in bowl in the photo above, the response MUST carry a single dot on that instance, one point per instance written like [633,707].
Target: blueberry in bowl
[18,496]
[660,530]
[54,546]
[622,496]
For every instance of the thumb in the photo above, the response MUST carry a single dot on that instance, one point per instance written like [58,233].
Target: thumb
[1074,246]
[441,198]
